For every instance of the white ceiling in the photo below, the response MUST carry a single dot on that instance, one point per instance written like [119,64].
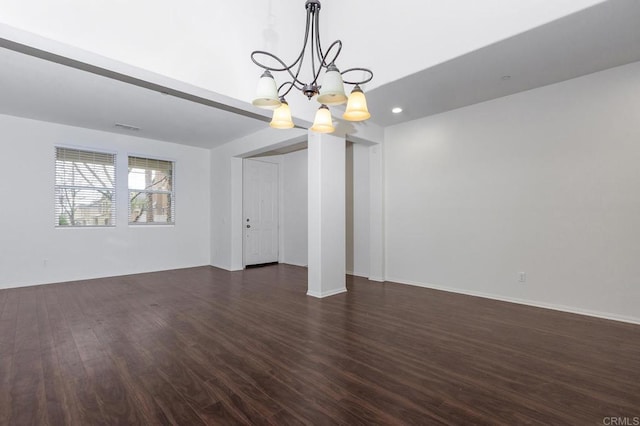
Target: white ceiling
[208,43]
[603,36]
[596,38]
[44,90]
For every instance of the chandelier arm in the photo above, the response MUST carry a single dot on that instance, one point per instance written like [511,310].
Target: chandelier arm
[322,55]
[363,81]
[318,44]
[317,49]
[335,56]
[281,62]
[291,85]
[300,60]
[271,55]
[324,63]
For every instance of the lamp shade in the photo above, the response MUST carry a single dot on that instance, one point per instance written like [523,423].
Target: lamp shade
[267,92]
[332,88]
[323,122]
[282,116]
[357,106]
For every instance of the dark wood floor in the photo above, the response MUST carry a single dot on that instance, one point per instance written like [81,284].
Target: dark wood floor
[206,346]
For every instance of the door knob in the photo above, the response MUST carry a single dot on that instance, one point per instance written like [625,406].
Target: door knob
[248,226]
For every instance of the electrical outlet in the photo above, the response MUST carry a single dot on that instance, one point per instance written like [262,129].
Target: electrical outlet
[522,277]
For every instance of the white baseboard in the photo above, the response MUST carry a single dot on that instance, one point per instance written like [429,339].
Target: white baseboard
[294,264]
[321,295]
[555,307]
[220,266]
[379,279]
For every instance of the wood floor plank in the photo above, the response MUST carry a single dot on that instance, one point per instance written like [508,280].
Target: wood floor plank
[26,386]
[4,295]
[206,346]
[56,397]
[250,370]
[62,343]
[254,346]
[6,406]
[176,409]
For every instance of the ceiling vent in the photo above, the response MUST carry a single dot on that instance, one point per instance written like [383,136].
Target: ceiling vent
[128,127]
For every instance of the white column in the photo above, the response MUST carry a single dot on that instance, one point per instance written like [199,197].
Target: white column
[376,214]
[326,215]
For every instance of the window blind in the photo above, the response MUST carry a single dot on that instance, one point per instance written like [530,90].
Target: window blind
[150,164]
[84,188]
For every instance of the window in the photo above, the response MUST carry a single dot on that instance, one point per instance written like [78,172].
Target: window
[151,197]
[85,188]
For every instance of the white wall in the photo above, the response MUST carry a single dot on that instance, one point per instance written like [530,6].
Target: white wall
[377,245]
[294,208]
[358,209]
[27,231]
[349,204]
[361,210]
[545,182]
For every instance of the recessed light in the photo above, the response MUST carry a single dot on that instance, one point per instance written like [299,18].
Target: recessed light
[396,110]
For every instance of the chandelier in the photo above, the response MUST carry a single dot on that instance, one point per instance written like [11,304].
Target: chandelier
[329,93]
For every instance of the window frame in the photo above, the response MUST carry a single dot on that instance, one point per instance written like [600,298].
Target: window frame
[112,189]
[171,194]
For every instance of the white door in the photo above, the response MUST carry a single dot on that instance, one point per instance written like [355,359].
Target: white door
[260,210]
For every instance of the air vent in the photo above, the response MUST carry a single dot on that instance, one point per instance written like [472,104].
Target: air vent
[128,127]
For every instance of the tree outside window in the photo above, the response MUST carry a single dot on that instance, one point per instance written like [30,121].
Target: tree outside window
[151,196]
